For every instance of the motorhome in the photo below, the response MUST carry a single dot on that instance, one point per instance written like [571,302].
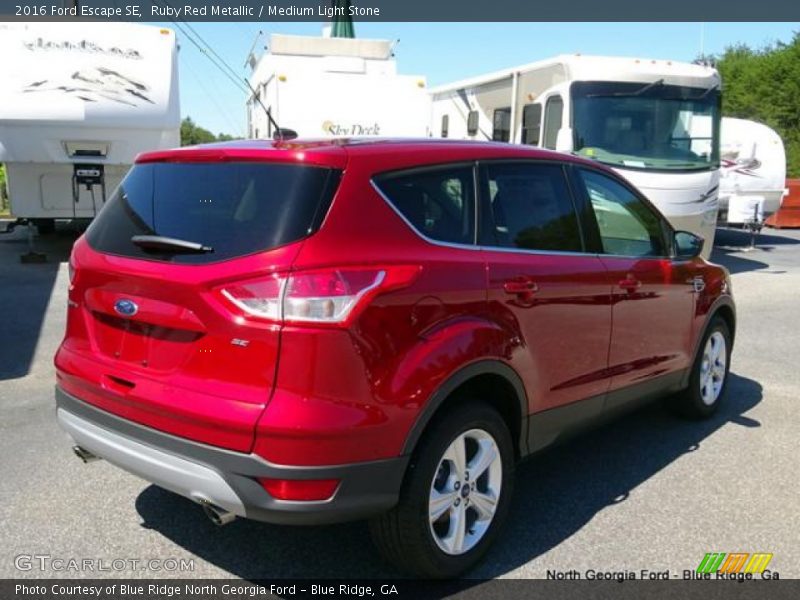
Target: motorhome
[323,86]
[78,103]
[656,122]
[753,174]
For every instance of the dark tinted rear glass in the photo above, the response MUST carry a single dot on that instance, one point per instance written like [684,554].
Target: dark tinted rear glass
[235,208]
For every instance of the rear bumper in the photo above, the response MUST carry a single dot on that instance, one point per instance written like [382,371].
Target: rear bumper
[226,478]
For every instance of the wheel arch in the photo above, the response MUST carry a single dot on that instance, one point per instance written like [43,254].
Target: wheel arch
[723,308]
[505,391]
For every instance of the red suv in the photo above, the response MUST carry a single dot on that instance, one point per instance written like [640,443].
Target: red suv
[310,332]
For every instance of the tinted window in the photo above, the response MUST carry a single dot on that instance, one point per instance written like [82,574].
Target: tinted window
[438,203]
[472,122]
[501,125]
[236,208]
[531,124]
[552,121]
[532,207]
[628,227]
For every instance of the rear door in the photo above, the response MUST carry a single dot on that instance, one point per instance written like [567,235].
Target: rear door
[653,296]
[153,334]
[549,292]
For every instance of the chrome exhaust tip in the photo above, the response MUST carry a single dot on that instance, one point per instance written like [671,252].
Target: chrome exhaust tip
[218,516]
[84,454]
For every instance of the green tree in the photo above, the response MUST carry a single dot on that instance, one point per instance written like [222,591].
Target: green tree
[192,134]
[764,85]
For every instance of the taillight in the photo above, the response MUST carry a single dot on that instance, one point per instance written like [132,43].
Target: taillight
[326,296]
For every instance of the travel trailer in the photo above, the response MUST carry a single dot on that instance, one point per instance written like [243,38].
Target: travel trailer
[77,104]
[655,122]
[753,174]
[335,87]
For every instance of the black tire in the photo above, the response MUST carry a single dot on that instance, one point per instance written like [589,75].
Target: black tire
[404,535]
[690,403]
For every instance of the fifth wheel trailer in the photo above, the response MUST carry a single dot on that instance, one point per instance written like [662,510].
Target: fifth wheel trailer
[335,87]
[753,181]
[655,122]
[77,104]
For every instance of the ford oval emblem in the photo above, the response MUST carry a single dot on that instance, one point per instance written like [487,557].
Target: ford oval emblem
[125,307]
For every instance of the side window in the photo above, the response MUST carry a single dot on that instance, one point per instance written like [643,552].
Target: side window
[552,121]
[472,122]
[439,203]
[445,125]
[627,226]
[531,124]
[501,125]
[532,207]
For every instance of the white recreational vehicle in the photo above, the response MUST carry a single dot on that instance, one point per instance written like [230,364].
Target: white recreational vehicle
[77,104]
[655,122]
[753,174]
[335,87]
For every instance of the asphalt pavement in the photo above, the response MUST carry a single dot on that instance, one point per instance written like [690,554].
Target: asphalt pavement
[650,491]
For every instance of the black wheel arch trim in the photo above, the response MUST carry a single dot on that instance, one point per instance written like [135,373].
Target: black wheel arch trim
[457,379]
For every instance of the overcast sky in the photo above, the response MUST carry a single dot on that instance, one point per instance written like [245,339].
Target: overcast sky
[448,51]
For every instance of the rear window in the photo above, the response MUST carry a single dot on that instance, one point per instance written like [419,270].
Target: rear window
[234,208]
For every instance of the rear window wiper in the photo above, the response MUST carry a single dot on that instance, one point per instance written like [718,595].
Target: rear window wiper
[156,243]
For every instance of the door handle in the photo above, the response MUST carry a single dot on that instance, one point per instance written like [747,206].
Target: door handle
[630,284]
[522,285]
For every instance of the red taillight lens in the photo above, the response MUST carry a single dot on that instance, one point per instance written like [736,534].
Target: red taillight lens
[328,296]
[260,298]
[303,490]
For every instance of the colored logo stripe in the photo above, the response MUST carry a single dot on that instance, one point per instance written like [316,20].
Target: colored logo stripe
[716,561]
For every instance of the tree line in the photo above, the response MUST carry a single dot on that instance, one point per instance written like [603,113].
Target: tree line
[763,84]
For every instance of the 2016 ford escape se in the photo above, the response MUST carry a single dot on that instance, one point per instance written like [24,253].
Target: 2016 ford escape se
[309,332]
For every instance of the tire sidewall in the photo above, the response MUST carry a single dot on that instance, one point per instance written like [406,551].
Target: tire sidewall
[697,404]
[422,470]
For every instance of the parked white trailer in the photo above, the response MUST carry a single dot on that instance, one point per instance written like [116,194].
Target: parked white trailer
[753,178]
[655,122]
[335,87]
[78,102]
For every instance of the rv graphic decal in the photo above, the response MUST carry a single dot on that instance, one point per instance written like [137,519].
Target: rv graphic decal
[94,85]
[744,166]
[350,129]
[82,46]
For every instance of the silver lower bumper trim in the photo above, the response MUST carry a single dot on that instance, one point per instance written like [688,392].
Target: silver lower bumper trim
[184,477]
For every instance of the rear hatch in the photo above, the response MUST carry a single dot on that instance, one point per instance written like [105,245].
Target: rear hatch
[151,335]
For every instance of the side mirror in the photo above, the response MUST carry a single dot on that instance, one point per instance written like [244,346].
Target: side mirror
[688,245]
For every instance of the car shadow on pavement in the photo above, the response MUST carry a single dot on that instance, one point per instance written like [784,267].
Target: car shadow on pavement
[26,294]
[730,246]
[557,493]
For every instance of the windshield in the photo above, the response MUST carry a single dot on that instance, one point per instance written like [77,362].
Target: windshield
[646,125]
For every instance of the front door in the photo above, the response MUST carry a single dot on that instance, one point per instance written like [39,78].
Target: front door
[653,296]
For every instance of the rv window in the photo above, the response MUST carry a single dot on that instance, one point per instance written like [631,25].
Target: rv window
[501,125]
[531,207]
[236,208]
[472,122]
[445,125]
[552,121]
[531,124]
[438,203]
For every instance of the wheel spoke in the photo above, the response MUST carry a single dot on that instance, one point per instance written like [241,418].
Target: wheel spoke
[454,541]
[440,503]
[457,454]
[485,503]
[486,455]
